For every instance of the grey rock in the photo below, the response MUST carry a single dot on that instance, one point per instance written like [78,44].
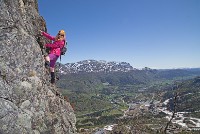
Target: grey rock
[28,103]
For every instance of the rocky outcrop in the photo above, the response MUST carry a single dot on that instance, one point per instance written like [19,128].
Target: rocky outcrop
[28,103]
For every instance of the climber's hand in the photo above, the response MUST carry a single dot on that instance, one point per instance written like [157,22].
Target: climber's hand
[41,32]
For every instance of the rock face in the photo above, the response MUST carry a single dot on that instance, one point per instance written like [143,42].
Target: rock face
[28,103]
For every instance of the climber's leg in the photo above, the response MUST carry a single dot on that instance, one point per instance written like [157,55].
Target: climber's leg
[53,59]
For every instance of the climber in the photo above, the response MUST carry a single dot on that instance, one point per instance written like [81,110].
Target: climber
[55,51]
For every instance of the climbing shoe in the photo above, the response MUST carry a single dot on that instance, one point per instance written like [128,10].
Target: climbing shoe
[52,81]
[52,78]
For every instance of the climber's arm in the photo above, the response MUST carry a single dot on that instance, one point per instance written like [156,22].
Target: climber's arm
[48,36]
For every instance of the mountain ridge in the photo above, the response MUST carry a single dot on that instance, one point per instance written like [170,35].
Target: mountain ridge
[95,66]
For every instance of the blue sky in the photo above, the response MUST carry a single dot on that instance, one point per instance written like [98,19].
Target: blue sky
[145,33]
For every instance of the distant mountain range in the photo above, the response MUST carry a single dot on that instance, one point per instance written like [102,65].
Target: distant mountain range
[95,66]
[91,72]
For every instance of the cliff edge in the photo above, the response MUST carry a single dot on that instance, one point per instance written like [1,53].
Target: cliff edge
[28,103]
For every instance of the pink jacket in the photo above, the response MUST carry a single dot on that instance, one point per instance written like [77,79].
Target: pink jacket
[55,46]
